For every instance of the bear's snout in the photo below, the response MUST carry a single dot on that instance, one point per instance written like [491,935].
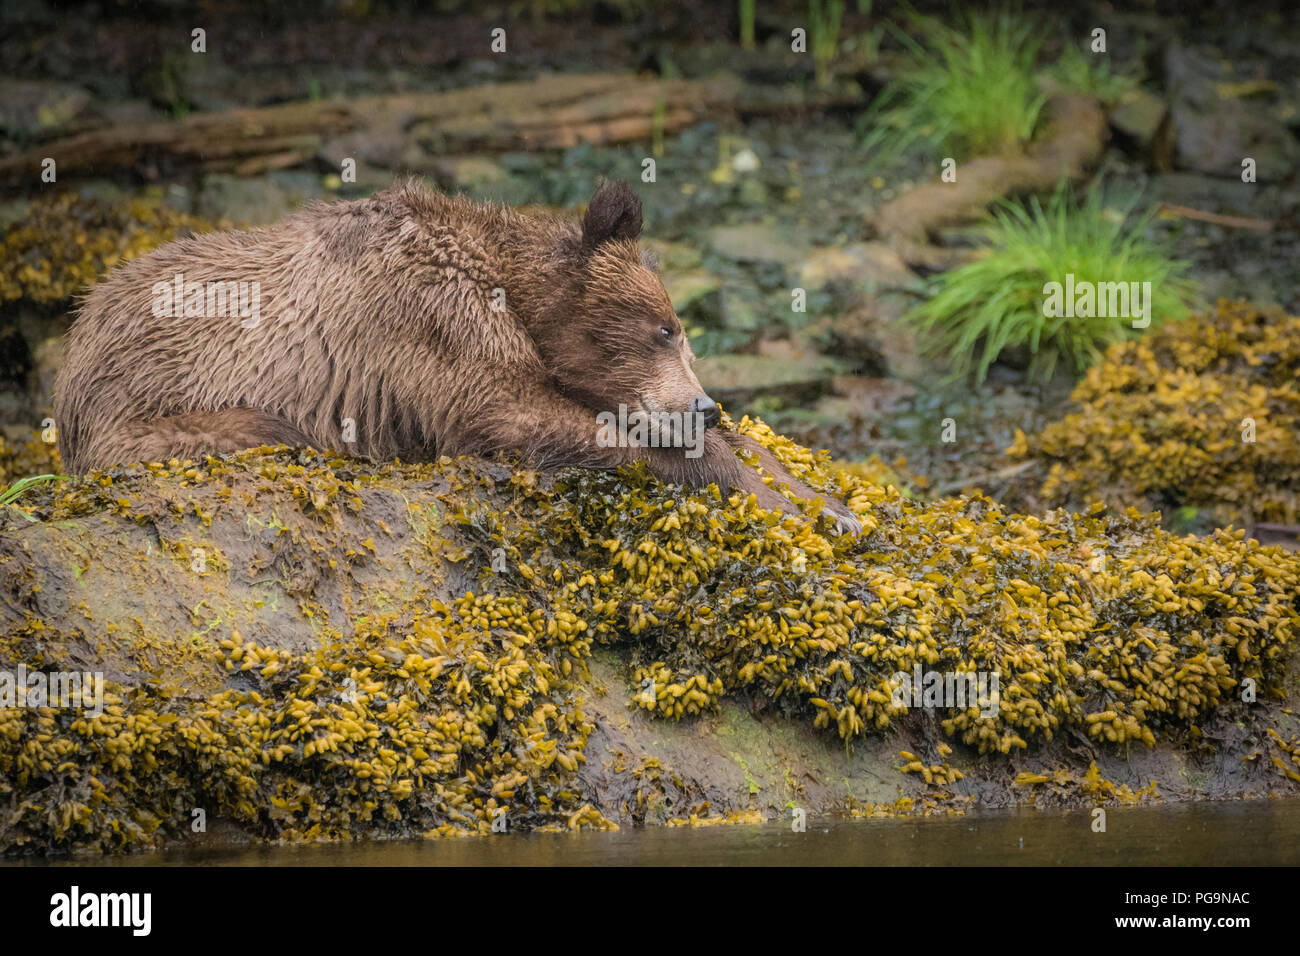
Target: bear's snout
[707,407]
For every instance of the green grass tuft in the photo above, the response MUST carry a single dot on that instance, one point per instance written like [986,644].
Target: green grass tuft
[1080,70]
[825,17]
[968,90]
[12,493]
[997,302]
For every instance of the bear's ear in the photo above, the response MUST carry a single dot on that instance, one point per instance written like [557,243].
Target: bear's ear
[613,213]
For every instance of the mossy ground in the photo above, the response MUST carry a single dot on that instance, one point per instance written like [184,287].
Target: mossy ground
[393,650]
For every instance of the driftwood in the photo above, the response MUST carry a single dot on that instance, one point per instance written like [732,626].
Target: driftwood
[551,112]
[1079,134]
[1287,535]
[1218,219]
[1002,474]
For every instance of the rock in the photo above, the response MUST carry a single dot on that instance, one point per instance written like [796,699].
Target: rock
[745,161]
[1214,127]
[872,265]
[1192,72]
[12,211]
[180,80]
[468,173]
[873,395]
[872,340]
[858,397]
[850,334]
[757,242]
[735,380]
[897,344]
[1229,196]
[31,353]
[31,13]
[234,595]
[741,310]
[1216,142]
[123,112]
[369,180]
[30,107]
[381,145]
[481,177]
[177,196]
[961,237]
[686,289]
[1138,119]
[103,189]
[673,256]
[256,201]
[204,82]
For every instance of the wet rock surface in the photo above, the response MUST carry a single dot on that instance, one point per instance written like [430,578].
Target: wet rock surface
[311,647]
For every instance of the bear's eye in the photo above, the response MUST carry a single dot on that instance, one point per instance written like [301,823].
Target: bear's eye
[666,333]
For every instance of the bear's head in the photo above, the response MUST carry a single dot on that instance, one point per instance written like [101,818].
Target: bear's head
[621,342]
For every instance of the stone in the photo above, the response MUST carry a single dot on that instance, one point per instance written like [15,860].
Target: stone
[256,201]
[686,289]
[1215,126]
[29,107]
[870,264]
[757,242]
[672,256]
[470,173]
[1215,141]
[1138,118]
[383,145]
[735,380]
[873,340]
[12,211]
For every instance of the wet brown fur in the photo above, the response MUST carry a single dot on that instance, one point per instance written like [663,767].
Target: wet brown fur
[380,311]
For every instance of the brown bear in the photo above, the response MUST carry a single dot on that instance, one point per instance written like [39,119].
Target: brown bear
[407,324]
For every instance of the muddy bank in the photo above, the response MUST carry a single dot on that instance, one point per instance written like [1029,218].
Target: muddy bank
[307,647]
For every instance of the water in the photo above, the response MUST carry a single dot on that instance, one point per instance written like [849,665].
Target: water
[1260,832]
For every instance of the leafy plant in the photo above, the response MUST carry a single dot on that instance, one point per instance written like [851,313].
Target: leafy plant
[824,17]
[968,90]
[999,301]
[868,41]
[747,23]
[1087,72]
[14,491]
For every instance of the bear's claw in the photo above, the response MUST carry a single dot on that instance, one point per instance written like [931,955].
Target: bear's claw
[846,523]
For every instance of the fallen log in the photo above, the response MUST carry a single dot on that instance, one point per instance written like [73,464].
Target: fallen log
[551,112]
[1079,130]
